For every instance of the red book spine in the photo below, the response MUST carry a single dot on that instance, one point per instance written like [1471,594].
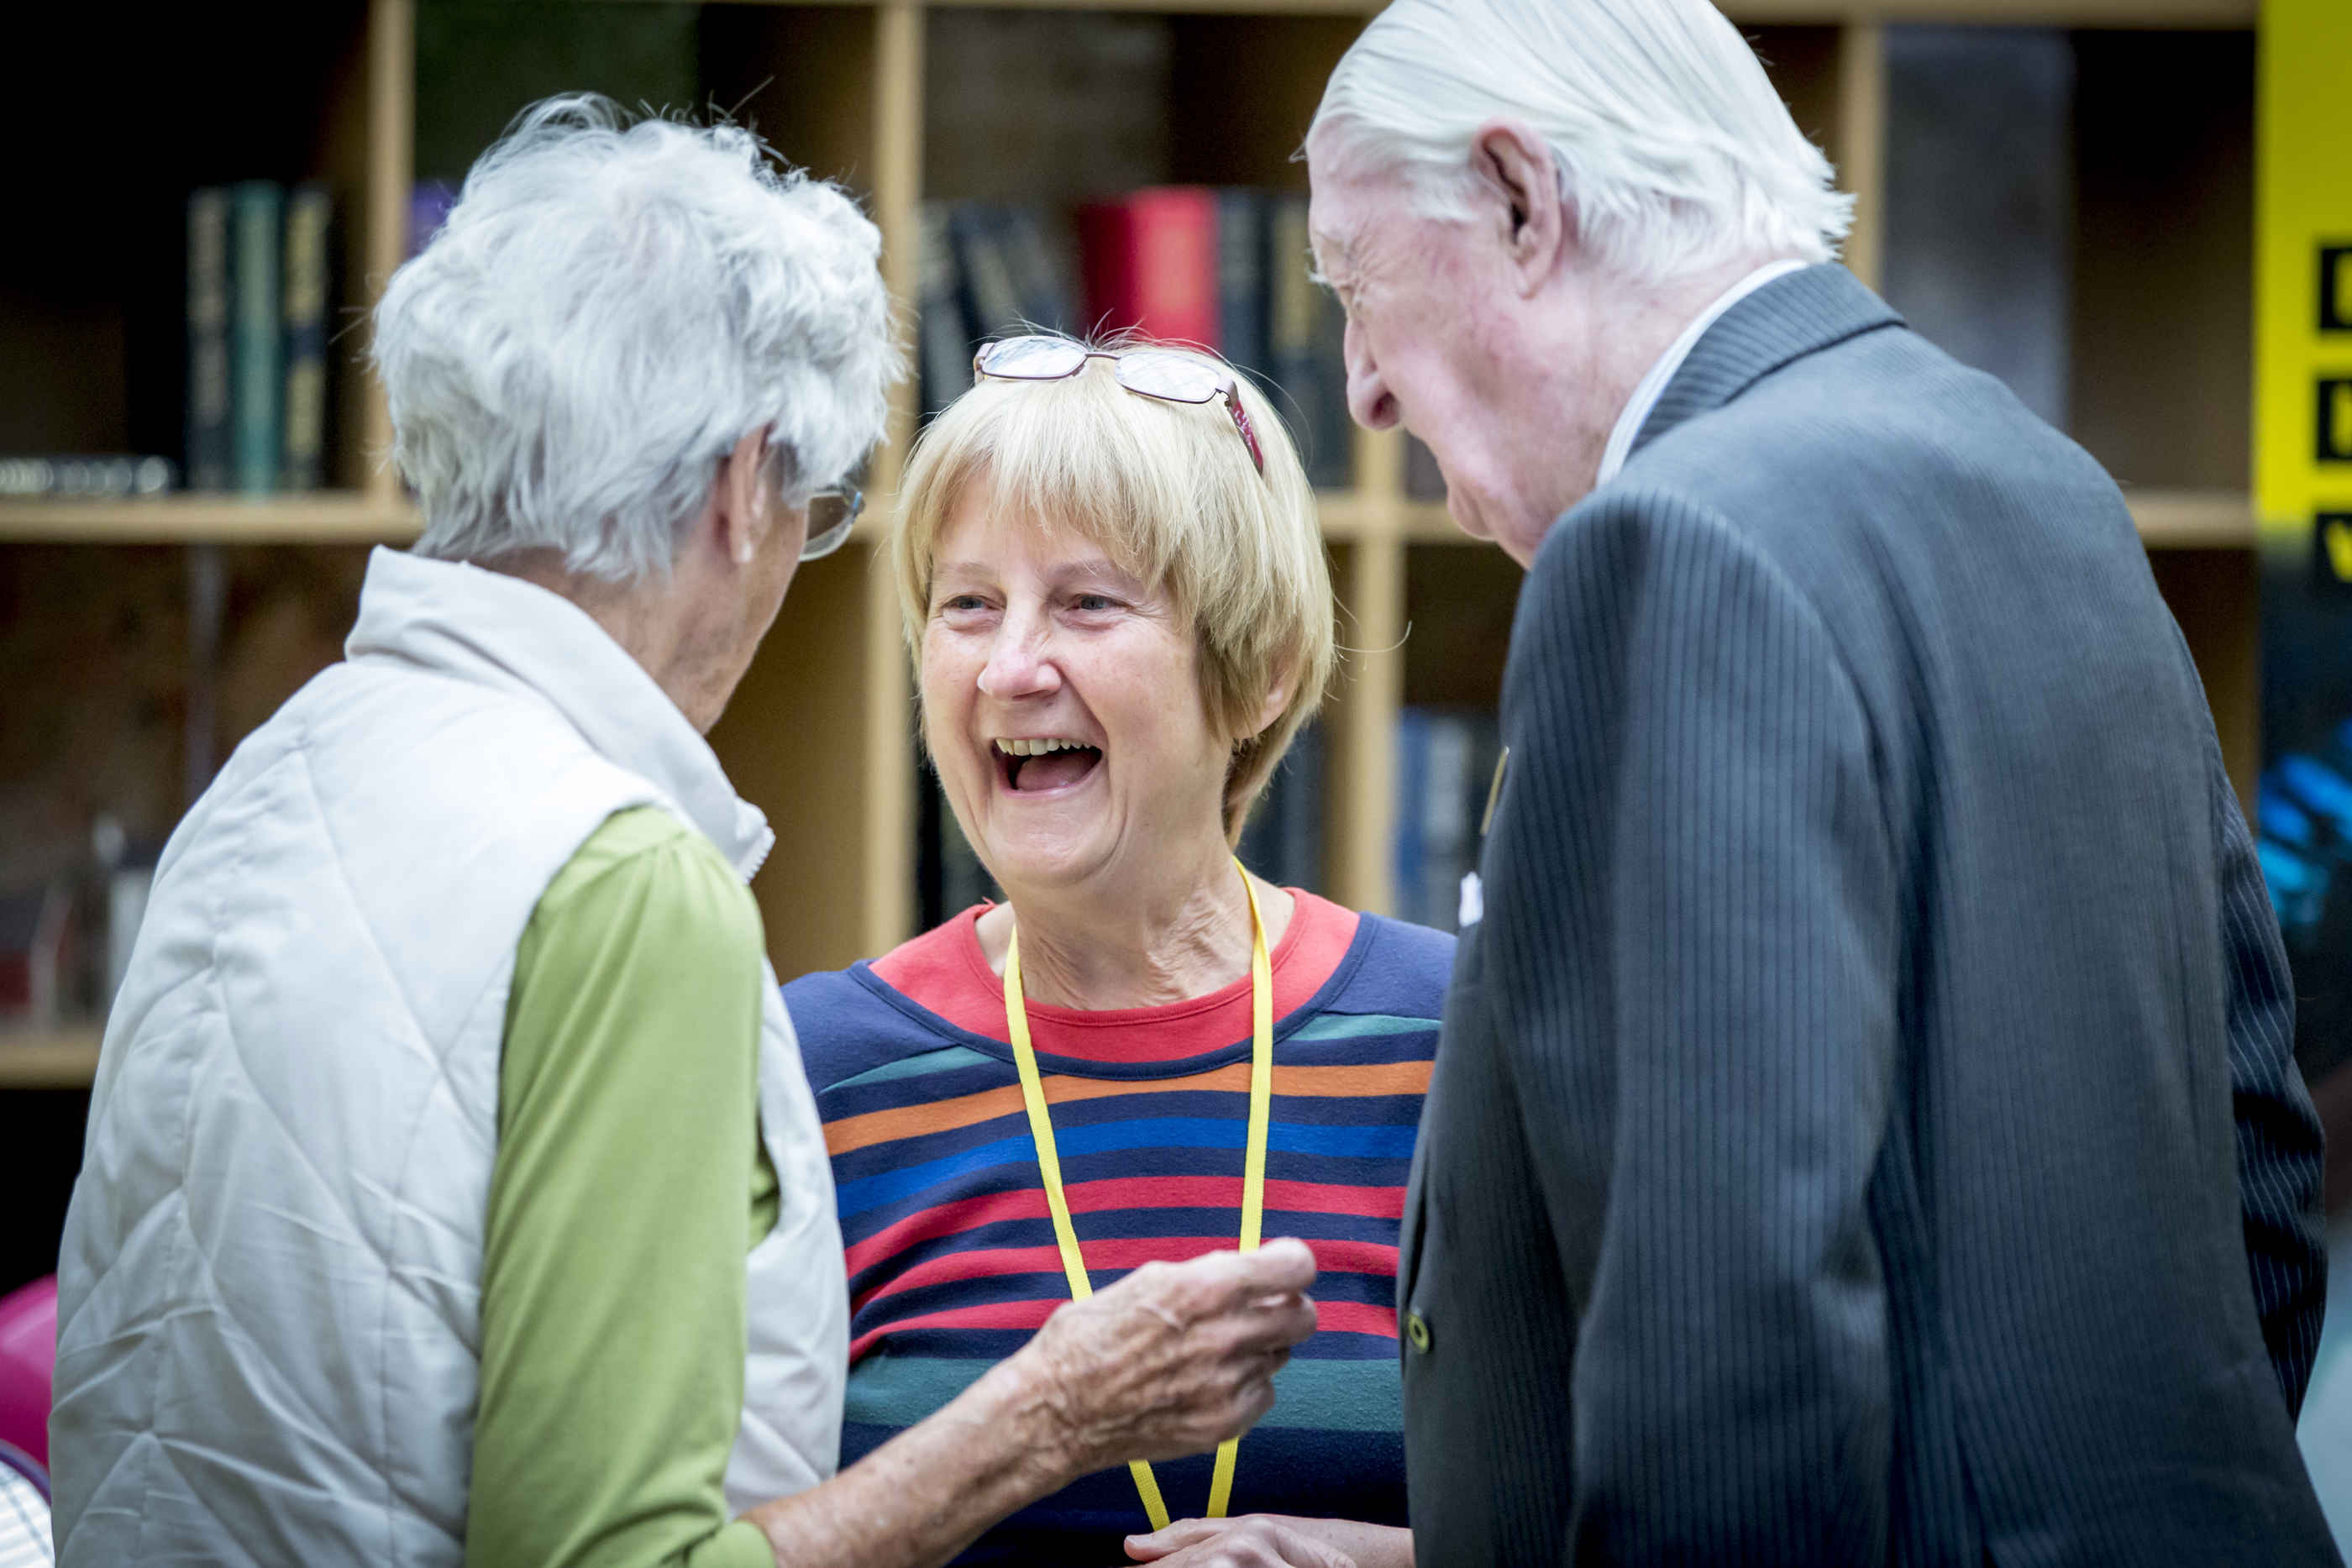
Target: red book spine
[1150,264]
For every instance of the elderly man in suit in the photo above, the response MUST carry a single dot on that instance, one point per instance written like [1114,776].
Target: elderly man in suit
[1865,1128]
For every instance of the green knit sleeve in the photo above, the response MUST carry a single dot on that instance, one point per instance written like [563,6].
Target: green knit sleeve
[627,1167]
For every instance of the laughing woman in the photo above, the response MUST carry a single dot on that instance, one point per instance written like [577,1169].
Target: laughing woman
[1117,602]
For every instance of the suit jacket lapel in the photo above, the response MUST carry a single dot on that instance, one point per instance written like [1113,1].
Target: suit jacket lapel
[1786,319]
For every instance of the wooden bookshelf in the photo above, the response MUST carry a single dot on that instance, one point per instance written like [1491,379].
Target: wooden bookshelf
[847,86]
[327,517]
[57,1059]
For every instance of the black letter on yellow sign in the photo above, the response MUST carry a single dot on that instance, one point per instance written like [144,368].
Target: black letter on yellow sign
[2335,419]
[2335,288]
[2332,533]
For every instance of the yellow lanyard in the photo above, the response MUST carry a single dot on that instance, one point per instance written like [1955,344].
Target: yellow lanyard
[1049,1163]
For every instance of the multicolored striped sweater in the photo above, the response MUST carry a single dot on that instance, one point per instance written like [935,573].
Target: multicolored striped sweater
[953,1264]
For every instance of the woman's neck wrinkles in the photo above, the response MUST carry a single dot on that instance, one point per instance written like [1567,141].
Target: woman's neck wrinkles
[1184,938]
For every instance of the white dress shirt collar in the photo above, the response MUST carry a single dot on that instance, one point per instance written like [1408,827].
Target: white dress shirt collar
[1639,407]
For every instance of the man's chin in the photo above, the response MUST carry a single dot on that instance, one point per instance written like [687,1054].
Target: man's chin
[1467,515]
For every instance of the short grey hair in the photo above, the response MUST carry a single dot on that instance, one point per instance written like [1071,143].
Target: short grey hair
[611,306]
[1673,151]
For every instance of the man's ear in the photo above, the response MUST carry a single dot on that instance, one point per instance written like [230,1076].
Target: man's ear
[744,509]
[1517,170]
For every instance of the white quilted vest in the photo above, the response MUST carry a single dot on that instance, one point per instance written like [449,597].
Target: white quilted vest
[269,1290]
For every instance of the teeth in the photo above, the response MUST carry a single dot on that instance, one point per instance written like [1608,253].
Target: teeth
[1037,747]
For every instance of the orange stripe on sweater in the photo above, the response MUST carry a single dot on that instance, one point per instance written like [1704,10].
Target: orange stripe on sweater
[945,1115]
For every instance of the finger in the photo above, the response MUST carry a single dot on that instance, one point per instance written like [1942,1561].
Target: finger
[1182,1534]
[1280,1267]
[1276,1327]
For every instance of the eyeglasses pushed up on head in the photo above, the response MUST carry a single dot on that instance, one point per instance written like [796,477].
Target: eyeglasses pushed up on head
[1160,373]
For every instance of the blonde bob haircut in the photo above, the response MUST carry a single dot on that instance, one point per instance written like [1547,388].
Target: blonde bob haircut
[1169,492]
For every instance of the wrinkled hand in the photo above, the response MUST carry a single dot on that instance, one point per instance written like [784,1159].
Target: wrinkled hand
[1254,1540]
[1174,1359]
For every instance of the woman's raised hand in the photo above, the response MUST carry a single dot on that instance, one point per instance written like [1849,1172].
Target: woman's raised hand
[1174,1359]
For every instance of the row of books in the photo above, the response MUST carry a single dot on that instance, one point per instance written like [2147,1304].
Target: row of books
[259,283]
[1445,762]
[1445,765]
[87,476]
[1224,268]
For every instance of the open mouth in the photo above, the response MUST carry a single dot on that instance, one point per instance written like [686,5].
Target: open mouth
[1031,767]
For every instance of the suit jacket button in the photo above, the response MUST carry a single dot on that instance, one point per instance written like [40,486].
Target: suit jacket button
[1417,1331]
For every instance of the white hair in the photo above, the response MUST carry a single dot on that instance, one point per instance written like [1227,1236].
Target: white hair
[608,309]
[1674,155]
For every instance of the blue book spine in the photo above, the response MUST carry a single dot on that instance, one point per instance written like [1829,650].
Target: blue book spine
[1411,862]
[207,412]
[945,336]
[1303,349]
[993,302]
[1042,282]
[257,335]
[1241,278]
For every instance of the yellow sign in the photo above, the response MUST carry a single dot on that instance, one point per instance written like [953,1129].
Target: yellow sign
[2303,280]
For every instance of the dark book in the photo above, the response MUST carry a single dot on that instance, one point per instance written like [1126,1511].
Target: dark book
[309,216]
[1979,218]
[1283,839]
[1150,264]
[991,300]
[1305,332]
[1039,276]
[946,337]
[1445,759]
[948,877]
[205,424]
[257,335]
[1241,278]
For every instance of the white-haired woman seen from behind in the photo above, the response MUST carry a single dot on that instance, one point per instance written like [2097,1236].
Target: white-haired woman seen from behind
[1117,604]
[452,1191]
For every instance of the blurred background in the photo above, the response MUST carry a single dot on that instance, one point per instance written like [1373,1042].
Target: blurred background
[2063,193]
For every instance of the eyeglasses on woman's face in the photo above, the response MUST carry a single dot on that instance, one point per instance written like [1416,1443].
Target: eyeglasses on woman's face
[1160,373]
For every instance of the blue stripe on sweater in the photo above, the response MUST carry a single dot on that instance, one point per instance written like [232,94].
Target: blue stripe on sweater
[1376,1143]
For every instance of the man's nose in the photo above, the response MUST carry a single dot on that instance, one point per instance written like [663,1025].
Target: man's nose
[1368,395]
[1019,663]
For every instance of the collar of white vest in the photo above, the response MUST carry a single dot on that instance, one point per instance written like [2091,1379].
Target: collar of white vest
[498,631]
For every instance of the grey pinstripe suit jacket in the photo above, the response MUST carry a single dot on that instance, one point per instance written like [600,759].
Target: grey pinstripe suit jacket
[1865,1128]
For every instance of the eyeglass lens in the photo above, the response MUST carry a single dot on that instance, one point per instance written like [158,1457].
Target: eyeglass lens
[830,515]
[1033,359]
[1170,377]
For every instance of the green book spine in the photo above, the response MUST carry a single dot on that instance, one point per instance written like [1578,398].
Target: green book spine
[257,335]
[207,453]
[309,213]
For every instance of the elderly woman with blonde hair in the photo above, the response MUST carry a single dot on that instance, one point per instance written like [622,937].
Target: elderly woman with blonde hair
[1118,605]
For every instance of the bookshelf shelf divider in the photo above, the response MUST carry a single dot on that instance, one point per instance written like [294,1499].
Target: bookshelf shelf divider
[391,171]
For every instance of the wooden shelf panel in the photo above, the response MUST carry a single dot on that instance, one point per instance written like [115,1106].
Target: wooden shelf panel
[326,517]
[2193,519]
[62,1059]
[2168,519]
